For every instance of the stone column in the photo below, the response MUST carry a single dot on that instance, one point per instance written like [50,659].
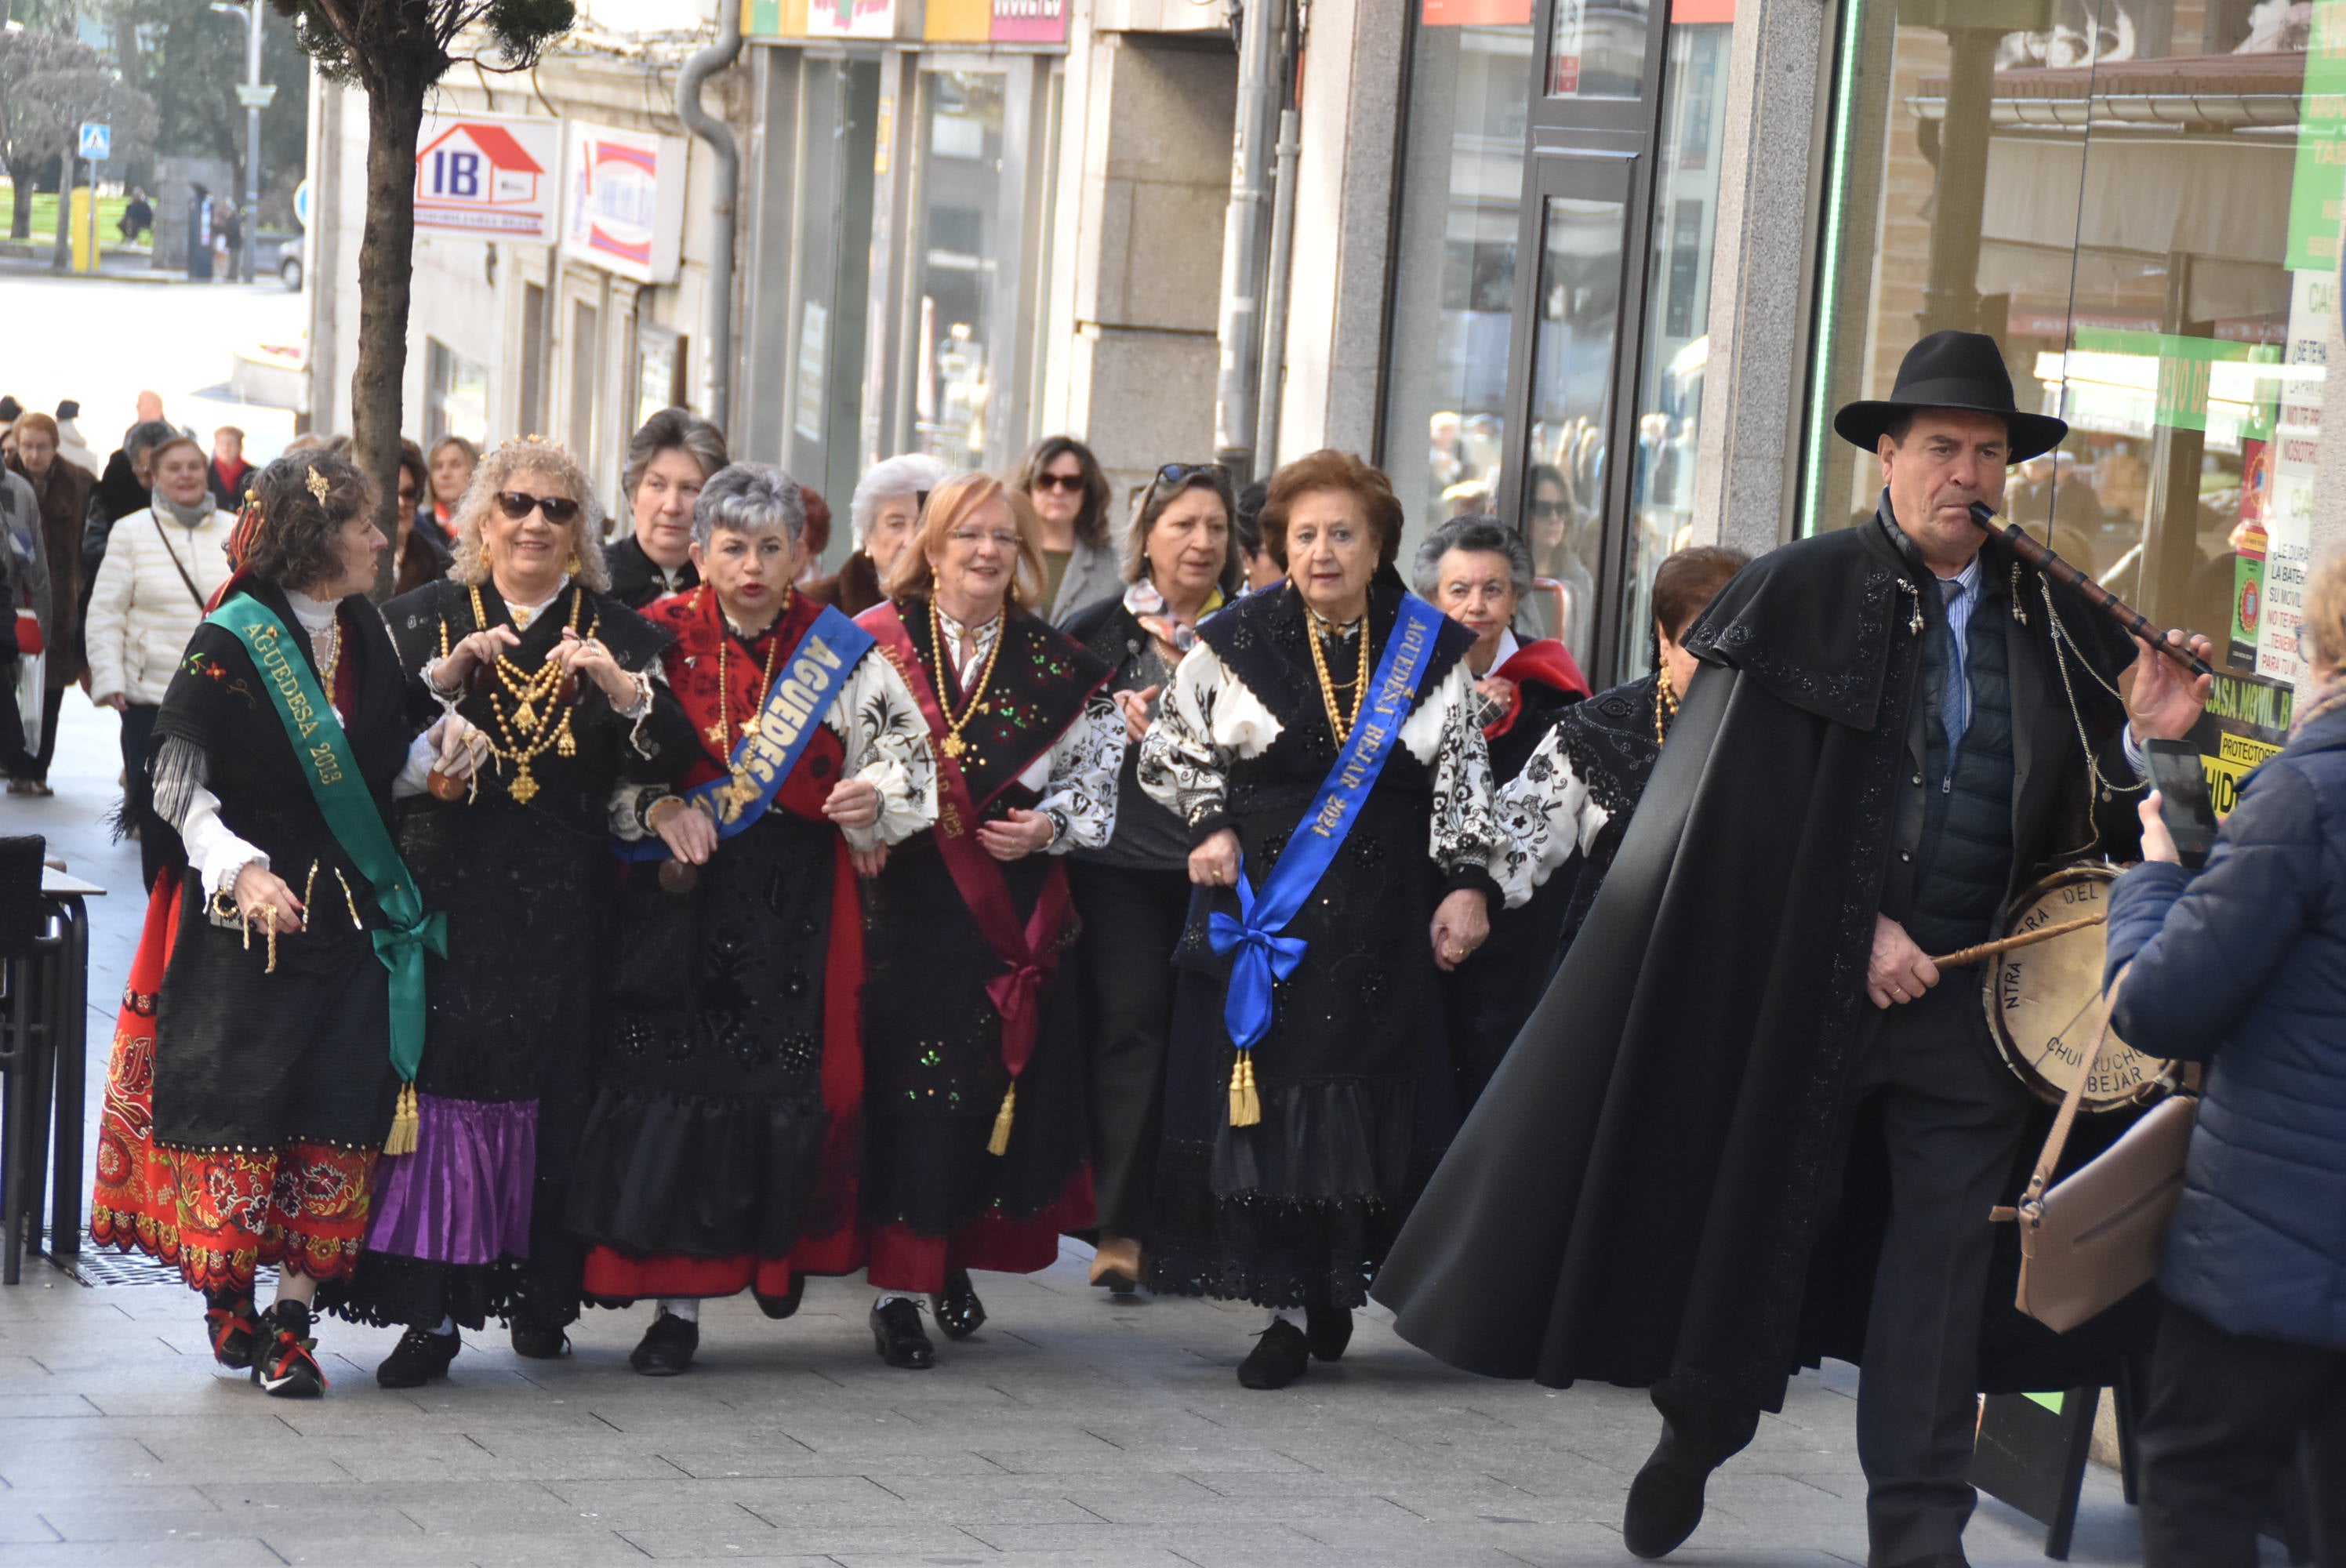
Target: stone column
[1779,79]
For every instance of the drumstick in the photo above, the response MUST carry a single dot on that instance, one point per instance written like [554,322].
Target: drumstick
[1967,955]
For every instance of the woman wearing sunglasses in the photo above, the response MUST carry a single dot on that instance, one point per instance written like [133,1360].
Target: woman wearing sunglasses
[524,644]
[1181,564]
[974,1133]
[1062,481]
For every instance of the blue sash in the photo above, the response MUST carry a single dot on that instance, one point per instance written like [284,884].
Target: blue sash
[1263,954]
[804,687]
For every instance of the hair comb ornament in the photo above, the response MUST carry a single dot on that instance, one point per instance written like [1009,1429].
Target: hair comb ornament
[319,486]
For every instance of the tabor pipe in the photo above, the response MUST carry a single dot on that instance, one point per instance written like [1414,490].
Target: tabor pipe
[2041,557]
[1987,950]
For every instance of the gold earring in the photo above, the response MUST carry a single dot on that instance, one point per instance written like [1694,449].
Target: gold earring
[574,566]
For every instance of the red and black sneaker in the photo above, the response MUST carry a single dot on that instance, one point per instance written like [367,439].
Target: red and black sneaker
[285,1366]
[233,1330]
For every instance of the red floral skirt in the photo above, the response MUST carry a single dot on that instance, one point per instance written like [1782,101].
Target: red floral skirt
[216,1215]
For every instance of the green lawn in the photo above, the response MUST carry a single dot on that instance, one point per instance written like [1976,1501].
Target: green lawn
[44,216]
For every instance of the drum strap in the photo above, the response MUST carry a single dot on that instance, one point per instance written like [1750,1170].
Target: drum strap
[2058,1138]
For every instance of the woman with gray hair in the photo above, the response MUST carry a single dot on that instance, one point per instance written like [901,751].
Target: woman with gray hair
[714,1161]
[884,513]
[668,460]
[524,642]
[1476,570]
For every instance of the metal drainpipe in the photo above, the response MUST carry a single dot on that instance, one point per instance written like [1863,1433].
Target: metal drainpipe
[718,333]
[1236,390]
[1274,293]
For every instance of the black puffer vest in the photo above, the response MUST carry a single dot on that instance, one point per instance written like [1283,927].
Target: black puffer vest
[1963,868]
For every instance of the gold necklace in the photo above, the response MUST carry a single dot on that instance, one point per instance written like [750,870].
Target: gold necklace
[721,733]
[529,729]
[1342,723]
[953,745]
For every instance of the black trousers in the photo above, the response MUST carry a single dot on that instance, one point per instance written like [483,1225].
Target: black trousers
[2226,1417]
[52,707]
[157,847]
[1132,922]
[1953,1117]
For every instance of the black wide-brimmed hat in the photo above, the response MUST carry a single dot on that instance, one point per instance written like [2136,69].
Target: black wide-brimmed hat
[1952,369]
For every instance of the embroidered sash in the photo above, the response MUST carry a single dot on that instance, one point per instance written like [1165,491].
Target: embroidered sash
[1029,955]
[1263,954]
[805,685]
[316,732]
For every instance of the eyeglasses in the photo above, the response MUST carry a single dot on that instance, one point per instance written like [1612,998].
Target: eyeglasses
[1069,482]
[972,538]
[519,503]
[1548,508]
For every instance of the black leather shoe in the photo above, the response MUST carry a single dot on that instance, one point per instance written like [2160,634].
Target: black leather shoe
[539,1341]
[666,1350]
[1326,1331]
[1280,1355]
[233,1325]
[1665,1505]
[959,1311]
[785,1306]
[418,1358]
[896,1330]
[1938,1560]
[284,1364]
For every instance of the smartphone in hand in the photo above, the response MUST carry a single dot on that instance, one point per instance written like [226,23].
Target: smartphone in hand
[2182,780]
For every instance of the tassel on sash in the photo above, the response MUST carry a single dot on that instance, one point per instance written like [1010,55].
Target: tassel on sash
[1246,1105]
[999,1144]
[405,1124]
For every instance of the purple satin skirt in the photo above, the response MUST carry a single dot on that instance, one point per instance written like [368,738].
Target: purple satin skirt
[462,1196]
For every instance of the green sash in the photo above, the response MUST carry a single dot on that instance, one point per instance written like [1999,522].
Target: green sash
[316,732]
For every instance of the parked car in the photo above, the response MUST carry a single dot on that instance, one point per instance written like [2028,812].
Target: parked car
[274,251]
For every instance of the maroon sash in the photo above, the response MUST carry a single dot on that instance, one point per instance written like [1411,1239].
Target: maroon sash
[1030,956]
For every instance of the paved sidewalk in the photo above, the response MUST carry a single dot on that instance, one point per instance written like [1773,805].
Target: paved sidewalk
[1074,1431]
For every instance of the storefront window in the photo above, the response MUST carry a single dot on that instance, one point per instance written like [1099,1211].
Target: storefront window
[837,124]
[1462,203]
[2140,199]
[1596,49]
[456,394]
[1578,319]
[1676,346]
[968,221]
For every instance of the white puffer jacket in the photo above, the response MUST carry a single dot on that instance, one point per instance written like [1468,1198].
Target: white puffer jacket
[141,613]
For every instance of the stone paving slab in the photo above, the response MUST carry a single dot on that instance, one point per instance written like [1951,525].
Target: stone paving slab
[1123,1439]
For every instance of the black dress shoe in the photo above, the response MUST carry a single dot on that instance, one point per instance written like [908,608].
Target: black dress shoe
[959,1311]
[1326,1331]
[233,1325]
[666,1350]
[784,1306]
[896,1330]
[1665,1505]
[285,1364]
[539,1341]
[418,1358]
[1279,1357]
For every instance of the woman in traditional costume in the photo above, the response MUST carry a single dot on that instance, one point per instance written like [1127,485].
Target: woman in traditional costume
[1133,894]
[1476,570]
[721,1154]
[248,1101]
[1566,808]
[882,515]
[1323,745]
[974,1114]
[523,643]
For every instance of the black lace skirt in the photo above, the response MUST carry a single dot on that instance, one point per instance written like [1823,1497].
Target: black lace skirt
[933,1059]
[1354,1078]
[704,1134]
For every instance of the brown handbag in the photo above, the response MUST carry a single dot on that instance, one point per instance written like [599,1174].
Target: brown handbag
[2093,1240]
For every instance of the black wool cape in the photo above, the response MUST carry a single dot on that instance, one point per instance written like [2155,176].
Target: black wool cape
[1639,1195]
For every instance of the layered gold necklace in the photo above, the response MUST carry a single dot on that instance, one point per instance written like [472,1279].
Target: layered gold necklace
[953,745]
[1339,720]
[532,719]
[720,734]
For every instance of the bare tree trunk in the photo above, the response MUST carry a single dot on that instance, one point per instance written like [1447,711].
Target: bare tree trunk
[60,258]
[386,265]
[21,177]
